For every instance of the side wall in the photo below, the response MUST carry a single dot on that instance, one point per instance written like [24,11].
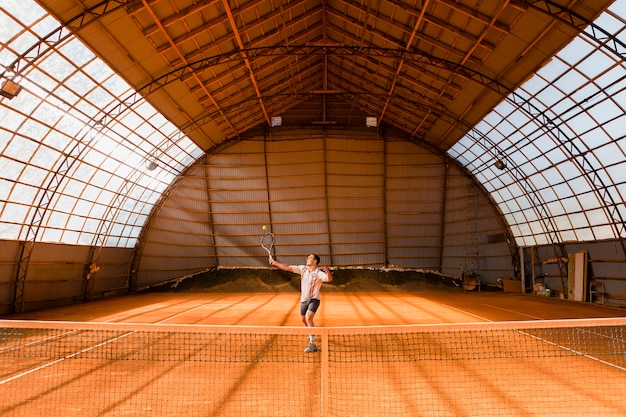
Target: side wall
[605,264]
[57,275]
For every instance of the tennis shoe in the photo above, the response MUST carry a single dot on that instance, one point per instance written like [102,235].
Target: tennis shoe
[311,348]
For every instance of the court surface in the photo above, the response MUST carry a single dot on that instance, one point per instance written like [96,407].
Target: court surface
[434,306]
[449,373]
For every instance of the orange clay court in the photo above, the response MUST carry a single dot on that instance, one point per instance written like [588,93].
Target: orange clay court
[435,351]
[427,306]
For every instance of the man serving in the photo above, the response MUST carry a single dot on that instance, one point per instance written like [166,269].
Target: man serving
[311,279]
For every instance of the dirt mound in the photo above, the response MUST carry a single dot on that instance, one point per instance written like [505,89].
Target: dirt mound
[271,280]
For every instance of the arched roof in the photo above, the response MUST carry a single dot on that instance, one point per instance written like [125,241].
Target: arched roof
[117,98]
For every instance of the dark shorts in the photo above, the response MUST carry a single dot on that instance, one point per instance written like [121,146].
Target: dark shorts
[311,304]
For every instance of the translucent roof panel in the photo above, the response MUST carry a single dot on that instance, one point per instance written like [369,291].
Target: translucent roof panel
[552,155]
[79,162]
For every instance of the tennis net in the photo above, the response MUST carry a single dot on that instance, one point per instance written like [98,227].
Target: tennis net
[545,368]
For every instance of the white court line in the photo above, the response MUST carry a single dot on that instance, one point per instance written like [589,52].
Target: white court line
[467,312]
[579,353]
[514,312]
[134,313]
[54,362]
[38,341]
[30,371]
[182,313]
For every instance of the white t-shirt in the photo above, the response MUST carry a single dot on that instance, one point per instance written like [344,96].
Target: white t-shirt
[310,281]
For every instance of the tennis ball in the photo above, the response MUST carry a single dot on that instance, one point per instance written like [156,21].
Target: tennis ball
[264,227]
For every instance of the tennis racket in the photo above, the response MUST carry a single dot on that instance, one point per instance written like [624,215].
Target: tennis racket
[267,241]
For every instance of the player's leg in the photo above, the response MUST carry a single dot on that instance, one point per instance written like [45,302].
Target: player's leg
[304,307]
[307,318]
[304,310]
[308,322]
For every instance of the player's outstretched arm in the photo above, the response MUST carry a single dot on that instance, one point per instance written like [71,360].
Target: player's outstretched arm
[279,265]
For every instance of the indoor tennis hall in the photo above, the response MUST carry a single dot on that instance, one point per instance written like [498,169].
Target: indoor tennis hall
[179,179]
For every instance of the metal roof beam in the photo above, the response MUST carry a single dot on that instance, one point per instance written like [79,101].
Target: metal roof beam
[242,48]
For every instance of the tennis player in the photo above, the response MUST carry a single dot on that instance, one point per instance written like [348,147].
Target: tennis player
[311,279]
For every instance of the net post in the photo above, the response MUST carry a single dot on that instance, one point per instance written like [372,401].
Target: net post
[324,375]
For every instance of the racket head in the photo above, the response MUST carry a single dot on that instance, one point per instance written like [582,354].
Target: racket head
[267,241]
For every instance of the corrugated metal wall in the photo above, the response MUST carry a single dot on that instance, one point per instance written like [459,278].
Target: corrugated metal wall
[57,275]
[354,197]
[9,255]
[605,265]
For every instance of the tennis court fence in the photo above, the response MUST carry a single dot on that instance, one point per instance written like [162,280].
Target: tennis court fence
[535,368]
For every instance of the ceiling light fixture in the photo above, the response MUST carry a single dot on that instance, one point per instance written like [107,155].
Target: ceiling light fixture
[371,121]
[499,164]
[276,121]
[10,89]
[151,165]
